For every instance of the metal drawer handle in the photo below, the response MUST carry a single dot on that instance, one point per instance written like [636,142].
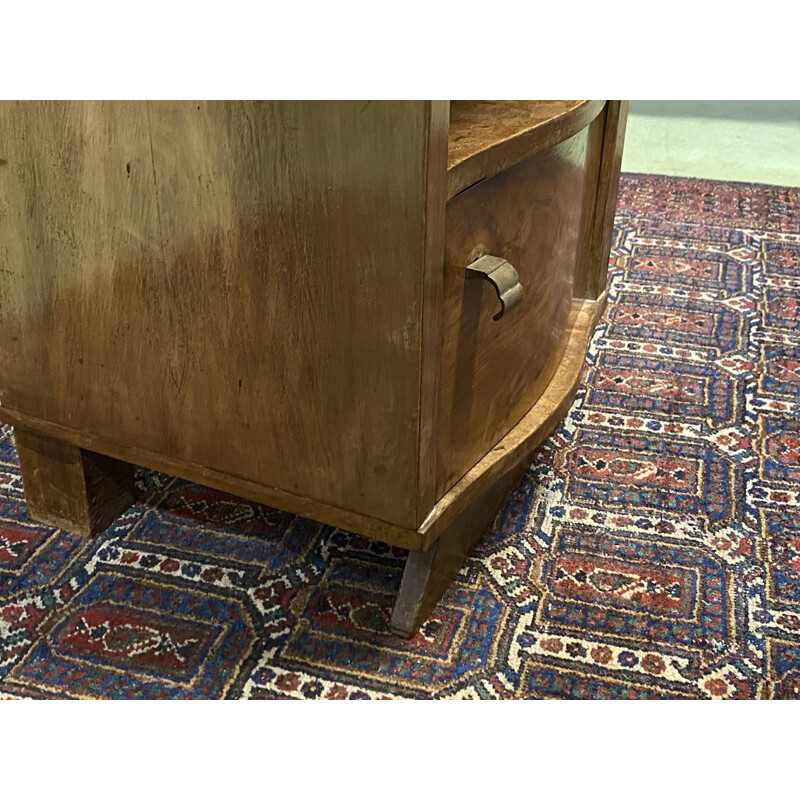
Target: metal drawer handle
[502,276]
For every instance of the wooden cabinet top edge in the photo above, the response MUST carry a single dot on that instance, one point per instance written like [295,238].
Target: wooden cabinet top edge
[486,137]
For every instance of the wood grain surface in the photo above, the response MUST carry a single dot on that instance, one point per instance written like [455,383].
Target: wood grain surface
[428,574]
[408,538]
[231,286]
[77,490]
[614,123]
[489,136]
[519,443]
[492,372]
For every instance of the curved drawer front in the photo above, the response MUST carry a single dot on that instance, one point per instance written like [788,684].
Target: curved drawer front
[534,216]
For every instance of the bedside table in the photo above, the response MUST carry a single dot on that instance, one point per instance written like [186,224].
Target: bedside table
[369,314]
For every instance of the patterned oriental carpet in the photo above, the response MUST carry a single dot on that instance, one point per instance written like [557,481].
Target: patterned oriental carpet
[651,551]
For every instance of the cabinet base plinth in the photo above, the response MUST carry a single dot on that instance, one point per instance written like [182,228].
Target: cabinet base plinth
[428,574]
[71,488]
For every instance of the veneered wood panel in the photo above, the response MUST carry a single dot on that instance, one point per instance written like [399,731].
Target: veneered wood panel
[489,136]
[533,215]
[592,281]
[516,447]
[235,285]
[432,297]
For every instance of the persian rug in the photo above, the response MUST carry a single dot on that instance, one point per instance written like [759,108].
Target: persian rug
[651,551]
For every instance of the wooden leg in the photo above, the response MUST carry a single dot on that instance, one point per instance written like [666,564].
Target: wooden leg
[428,574]
[70,488]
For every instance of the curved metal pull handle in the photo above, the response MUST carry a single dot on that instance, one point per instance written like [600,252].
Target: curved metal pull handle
[502,276]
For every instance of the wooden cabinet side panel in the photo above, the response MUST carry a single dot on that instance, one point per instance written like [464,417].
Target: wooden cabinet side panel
[433,301]
[235,285]
[609,128]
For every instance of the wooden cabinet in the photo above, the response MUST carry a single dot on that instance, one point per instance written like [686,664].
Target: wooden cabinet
[288,301]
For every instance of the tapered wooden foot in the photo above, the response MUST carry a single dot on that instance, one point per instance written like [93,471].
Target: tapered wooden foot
[70,488]
[428,574]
